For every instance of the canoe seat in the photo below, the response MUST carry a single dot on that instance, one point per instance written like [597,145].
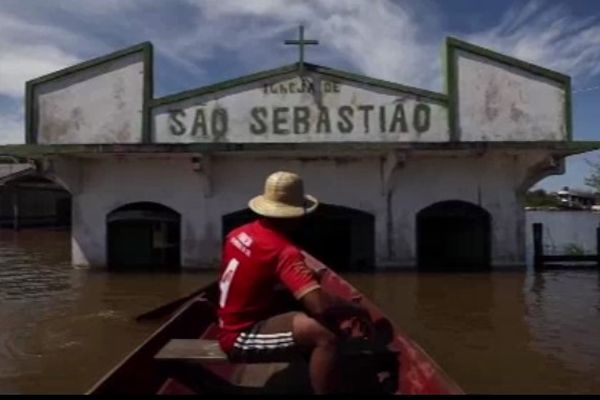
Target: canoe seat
[202,350]
[191,350]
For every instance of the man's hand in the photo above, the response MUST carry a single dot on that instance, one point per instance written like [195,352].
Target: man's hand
[357,328]
[352,319]
[342,317]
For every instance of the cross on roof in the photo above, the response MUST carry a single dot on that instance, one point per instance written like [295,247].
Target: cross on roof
[301,42]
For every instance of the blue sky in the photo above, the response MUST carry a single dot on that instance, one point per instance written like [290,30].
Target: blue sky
[198,42]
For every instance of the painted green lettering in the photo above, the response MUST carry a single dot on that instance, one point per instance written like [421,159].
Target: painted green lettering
[301,115]
[279,119]
[176,127]
[345,124]
[323,123]
[366,110]
[219,122]
[199,123]
[398,118]
[422,118]
[258,126]
[382,119]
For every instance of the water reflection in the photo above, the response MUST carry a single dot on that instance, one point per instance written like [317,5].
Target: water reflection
[62,328]
[563,314]
[499,332]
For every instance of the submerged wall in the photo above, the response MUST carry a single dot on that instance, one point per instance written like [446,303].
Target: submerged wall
[358,182]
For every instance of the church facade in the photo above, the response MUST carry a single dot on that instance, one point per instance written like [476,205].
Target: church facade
[406,177]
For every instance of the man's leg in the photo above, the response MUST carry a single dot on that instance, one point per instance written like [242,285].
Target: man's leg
[280,337]
[323,368]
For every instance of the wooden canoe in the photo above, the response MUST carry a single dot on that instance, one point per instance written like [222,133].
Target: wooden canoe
[405,370]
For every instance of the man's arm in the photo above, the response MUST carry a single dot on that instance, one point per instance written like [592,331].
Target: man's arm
[302,282]
[332,311]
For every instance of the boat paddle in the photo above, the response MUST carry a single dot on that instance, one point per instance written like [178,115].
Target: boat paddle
[170,307]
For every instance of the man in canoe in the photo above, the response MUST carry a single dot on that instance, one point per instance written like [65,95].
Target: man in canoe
[259,256]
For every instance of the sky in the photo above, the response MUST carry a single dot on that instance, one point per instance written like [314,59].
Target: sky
[199,42]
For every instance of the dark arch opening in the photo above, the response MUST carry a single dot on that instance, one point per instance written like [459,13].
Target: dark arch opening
[343,238]
[143,235]
[453,236]
[30,200]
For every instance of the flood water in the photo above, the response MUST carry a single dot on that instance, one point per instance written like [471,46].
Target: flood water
[61,328]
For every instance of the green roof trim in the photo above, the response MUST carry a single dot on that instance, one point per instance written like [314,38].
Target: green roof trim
[350,76]
[34,150]
[504,59]
[221,86]
[290,69]
[148,94]
[451,84]
[29,114]
[141,47]
[145,48]
[453,44]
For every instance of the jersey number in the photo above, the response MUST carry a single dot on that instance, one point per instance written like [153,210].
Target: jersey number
[226,280]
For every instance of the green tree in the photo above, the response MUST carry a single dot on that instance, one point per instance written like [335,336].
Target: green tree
[593,180]
[539,198]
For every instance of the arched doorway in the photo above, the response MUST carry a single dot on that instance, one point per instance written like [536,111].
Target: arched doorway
[343,238]
[30,200]
[143,235]
[453,235]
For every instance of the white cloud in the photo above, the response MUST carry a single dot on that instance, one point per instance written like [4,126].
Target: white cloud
[28,51]
[547,36]
[22,64]
[388,39]
[383,40]
[98,8]
[11,126]
[378,38]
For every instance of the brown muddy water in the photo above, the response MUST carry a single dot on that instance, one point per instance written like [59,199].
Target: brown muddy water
[61,328]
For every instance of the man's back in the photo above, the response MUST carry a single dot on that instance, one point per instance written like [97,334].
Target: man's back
[255,259]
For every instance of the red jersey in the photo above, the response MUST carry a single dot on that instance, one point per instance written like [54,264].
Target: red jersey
[256,259]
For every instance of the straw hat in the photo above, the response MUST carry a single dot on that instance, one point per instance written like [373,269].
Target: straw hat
[283,197]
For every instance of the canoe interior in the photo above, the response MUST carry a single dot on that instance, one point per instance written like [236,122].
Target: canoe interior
[411,371]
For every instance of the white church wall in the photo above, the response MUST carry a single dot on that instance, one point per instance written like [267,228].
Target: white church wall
[173,183]
[501,102]
[111,183]
[100,104]
[293,109]
[484,181]
[354,182]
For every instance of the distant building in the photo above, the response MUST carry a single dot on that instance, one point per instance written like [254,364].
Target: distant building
[576,199]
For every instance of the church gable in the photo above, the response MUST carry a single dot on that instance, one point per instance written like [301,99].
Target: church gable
[499,98]
[309,107]
[100,101]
